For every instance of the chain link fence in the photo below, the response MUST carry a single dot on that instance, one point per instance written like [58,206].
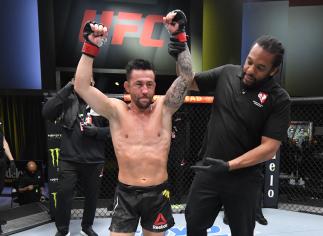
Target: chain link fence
[301,165]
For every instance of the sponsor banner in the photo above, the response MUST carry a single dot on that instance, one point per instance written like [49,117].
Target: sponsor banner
[53,144]
[135,28]
[188,99]
[179,229]
[271,182]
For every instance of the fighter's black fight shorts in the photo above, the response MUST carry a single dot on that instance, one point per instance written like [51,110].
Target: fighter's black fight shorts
[149,204]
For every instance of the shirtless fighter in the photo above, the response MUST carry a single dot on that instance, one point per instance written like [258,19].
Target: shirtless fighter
[141,130]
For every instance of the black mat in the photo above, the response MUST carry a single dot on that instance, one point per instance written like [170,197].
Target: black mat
[22,211]
[25,217]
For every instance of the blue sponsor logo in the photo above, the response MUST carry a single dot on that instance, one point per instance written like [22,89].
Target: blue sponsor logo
[181,231]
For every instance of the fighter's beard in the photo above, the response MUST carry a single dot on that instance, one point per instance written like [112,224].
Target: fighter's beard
[143,106]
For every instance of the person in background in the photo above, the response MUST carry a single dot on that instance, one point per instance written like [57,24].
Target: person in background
[82,155]
[30,185]
[249,119]
[141,131]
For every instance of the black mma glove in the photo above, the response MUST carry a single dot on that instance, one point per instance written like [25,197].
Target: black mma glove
[178,39]
[180,34]
[90,48]
[216,165]
[12,167]
[90,130]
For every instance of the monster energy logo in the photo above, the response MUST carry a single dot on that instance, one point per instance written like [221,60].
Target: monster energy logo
[54,153]
[166,193]
[54,198]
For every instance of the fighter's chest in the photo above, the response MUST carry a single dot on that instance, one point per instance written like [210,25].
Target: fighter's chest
[142,125]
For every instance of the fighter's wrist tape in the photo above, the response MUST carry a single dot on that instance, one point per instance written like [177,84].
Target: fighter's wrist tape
[90,49]
[181,37]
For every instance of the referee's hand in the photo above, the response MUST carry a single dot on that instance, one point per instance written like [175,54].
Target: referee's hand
[216,165]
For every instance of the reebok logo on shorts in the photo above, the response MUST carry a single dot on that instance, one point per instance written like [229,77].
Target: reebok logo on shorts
[160,222]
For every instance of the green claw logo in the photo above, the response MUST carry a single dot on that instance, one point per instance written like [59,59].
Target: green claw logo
[54,198]
[54,153]
[166,193]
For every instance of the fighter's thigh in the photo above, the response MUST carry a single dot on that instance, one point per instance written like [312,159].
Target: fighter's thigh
[157,214]
[124,217]
[149,233]
[121,234]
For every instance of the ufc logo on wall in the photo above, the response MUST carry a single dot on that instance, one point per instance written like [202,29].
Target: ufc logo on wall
[120,29]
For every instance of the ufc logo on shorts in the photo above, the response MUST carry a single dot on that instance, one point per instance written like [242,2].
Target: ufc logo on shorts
[130,26]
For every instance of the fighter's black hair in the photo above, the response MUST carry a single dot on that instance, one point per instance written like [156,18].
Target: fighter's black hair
[138,64]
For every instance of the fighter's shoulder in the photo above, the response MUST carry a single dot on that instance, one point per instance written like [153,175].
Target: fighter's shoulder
[118,103]
[160,104]
[115,107]
[159,101]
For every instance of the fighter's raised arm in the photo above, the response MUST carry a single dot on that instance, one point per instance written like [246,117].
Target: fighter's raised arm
[175,22]
[94,35]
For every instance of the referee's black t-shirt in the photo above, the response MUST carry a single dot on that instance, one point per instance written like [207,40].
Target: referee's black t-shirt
[240,116]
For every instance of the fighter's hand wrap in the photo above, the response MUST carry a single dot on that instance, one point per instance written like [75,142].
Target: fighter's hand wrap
[175,48]
[91,48]
[216,165]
